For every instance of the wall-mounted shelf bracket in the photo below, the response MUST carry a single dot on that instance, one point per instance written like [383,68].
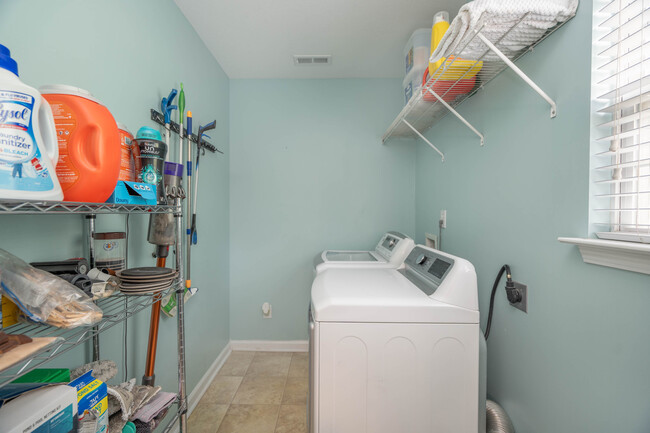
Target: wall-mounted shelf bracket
[442,155]
[519,72]
[461,118]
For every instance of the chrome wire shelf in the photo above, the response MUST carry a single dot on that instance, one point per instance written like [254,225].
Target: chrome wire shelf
[427,107]
[116,309]
[65,207]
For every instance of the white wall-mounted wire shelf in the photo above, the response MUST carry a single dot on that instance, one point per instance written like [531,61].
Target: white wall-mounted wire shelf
[65,207]
[434,100]
[116,309]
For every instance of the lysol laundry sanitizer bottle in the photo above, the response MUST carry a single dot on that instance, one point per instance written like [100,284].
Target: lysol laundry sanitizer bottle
[28,143]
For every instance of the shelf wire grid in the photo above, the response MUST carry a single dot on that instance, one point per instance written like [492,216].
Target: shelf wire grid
[423,114]
[116,309]
[64,207]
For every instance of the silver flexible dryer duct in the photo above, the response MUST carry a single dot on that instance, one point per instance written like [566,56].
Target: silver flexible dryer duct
[497,419]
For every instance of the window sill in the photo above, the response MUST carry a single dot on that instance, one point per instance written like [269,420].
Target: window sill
[630,256]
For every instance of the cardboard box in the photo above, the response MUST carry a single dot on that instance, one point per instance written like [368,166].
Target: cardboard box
[137,193]
[47,409]
[92,403]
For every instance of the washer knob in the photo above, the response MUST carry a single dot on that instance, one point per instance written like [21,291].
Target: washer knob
[421,259]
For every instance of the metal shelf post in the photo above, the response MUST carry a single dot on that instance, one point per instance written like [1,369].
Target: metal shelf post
[180,321]
[519,72]
[461,118]
[91,261]
[442,155]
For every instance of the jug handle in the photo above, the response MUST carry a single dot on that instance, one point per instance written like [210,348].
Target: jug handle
[48,131]
[92,159]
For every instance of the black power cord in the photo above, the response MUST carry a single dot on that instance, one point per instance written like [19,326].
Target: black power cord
[512,293]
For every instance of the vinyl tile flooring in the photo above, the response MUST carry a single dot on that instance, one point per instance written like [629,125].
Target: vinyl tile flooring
[255,392]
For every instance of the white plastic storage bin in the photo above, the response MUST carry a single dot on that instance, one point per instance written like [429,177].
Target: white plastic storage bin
[417,50]
[412,84]
[416,60]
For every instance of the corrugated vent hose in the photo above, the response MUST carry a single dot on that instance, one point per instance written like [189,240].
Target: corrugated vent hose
[497,419]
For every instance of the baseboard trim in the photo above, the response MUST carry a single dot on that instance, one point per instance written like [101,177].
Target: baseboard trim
[270,345]
[203,385]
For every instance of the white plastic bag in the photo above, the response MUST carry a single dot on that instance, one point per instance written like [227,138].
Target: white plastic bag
[43,297]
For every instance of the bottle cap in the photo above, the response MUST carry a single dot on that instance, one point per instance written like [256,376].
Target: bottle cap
[441,16]
[6,62]
[146,133]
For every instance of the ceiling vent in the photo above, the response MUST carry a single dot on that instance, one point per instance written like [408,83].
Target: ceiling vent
[299,60]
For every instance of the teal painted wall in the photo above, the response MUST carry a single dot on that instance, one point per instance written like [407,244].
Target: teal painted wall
[308,173]
[128,54]
[578,361]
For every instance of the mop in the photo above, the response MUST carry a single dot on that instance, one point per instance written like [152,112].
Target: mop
[201,146]
[193,193]
[181,112]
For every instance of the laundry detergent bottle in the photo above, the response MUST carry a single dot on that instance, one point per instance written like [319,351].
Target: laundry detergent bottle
[28,144]
[440,27]
[89,144]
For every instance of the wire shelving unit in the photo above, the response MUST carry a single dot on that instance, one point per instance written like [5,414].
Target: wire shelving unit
[116,309]
[427,107]
[66,207]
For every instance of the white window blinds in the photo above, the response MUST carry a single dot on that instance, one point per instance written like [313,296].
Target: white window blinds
[621,148]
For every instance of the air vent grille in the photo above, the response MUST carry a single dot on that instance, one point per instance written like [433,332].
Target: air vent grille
[300,60]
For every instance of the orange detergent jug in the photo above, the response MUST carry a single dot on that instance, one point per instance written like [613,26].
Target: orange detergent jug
[89,144]
[127,167]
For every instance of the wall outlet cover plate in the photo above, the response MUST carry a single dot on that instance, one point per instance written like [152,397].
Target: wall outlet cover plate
[523,304]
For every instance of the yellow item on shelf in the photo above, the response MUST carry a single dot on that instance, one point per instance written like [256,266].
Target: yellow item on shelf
[9,312]
[440,26]
[455,69]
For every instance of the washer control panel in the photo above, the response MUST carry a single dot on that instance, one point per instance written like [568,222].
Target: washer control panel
[427,269]
[389,243]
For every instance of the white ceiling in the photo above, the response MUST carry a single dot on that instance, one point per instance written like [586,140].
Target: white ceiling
[258,38]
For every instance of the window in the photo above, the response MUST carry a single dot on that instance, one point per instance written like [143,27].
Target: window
[620,175]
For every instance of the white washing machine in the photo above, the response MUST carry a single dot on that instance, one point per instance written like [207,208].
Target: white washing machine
[395,350]
[390,252]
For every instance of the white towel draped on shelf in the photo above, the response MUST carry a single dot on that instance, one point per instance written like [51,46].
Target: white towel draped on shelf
[494,18]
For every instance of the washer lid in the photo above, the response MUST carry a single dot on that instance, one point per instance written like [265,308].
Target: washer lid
[349,256]
[381,296]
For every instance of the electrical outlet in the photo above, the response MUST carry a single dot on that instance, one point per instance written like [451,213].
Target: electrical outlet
[523,304]
[443,218]
[267,309]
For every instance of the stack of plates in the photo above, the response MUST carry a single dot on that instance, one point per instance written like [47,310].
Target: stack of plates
[138,281]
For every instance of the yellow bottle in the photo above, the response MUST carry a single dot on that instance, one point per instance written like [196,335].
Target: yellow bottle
[440,26]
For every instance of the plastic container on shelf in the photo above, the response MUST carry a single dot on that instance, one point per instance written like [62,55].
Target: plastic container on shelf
[412,83]
[28,145]
[416,60]
[110,250]
[438,30]
[448,90]
[417,50]
[127,167]
[89,144]
[149,154]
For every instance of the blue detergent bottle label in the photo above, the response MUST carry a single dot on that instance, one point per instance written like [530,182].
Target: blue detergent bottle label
[21,168]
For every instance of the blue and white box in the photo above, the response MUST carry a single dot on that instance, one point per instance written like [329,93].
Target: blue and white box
[133,193]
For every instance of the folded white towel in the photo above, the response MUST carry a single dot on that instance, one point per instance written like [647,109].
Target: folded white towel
[494,18]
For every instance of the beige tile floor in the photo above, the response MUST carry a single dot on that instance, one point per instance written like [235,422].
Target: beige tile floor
[255,392]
